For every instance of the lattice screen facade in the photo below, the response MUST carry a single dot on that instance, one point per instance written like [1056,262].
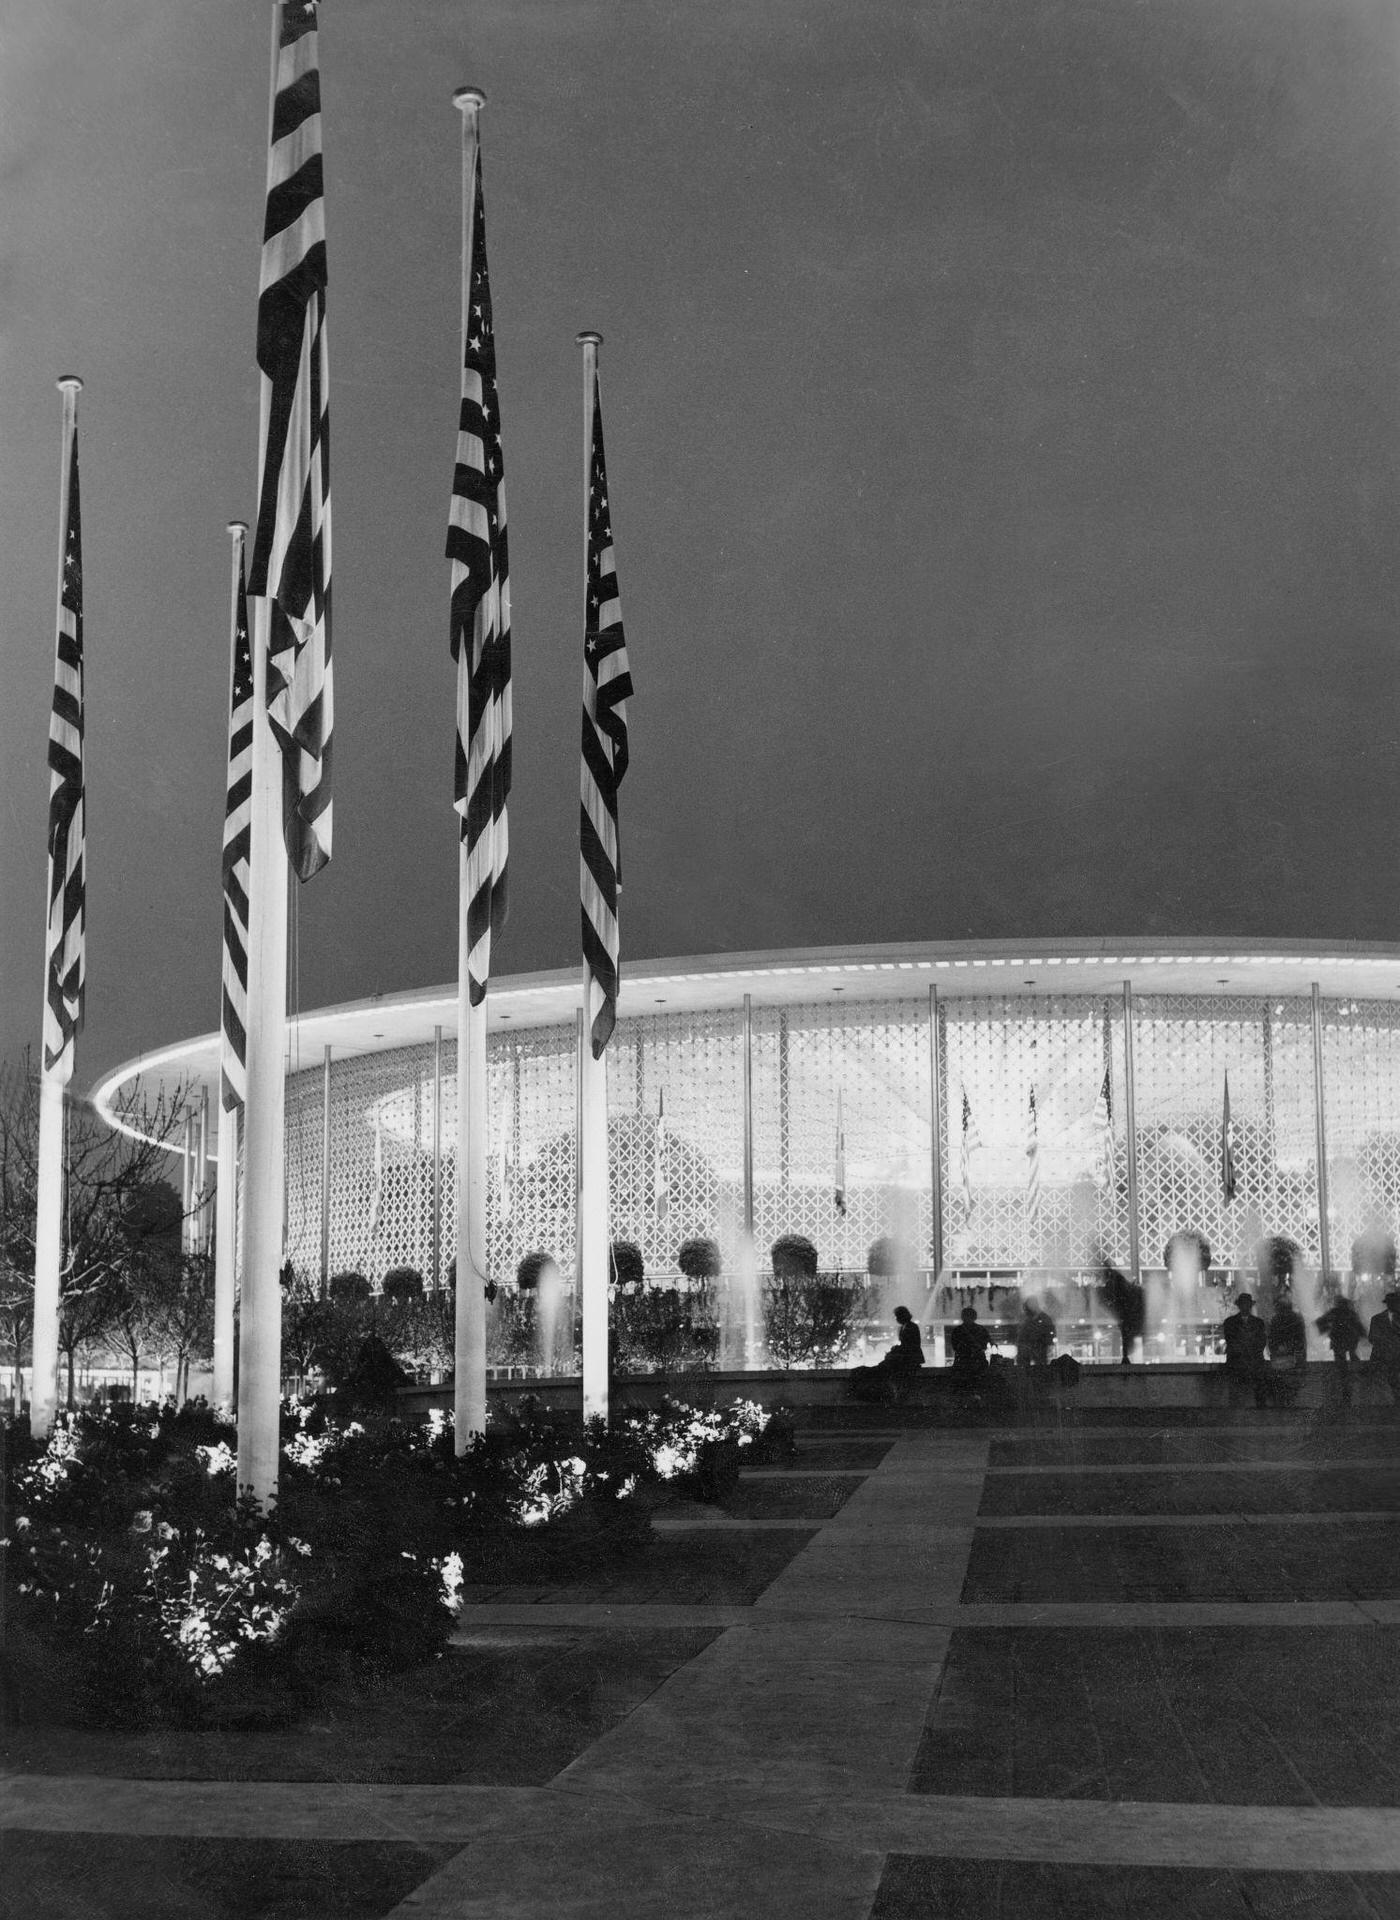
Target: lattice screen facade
[998,1052]
[876,1056]
[1182,1049]
[1361,1082]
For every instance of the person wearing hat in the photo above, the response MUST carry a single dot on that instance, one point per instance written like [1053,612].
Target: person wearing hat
[1245,1339]
[1341,1323]
[1384,1335]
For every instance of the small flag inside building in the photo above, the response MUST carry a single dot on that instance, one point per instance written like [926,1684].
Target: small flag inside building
[661,1173]
[607,687]
[238,827]
[66,942]
[971,1143]
[1105,1168]
[1033,1162]
[480,626]
[505,1174]
[1227,1148]
[291,562]
[840,1182]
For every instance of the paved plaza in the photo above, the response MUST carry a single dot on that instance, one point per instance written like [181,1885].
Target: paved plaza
[1145,1666]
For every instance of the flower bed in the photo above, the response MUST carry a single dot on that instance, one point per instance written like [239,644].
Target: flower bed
[132,1570]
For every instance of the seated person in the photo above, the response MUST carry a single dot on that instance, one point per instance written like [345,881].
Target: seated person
[893,1375]
[968,1344]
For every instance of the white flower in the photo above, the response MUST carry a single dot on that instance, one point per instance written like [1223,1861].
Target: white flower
[142,1522]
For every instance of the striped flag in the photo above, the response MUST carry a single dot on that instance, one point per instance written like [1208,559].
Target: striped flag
[661,1173]
[1227,1148]
[1033,1162]
[238,823]
[1105,1170]
[840,1179]
[66,939]
[291,561]
[971,1143]
[607,686]
[376,1197]
[480,618]
[505,1174]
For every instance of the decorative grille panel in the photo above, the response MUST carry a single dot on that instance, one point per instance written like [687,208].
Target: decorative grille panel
[1182,1049]
[997,1051]
[1361,1084]
[693,1064]
[875,1054]
[532,1169]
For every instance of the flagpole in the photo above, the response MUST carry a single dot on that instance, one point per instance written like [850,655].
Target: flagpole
[469,1346]
[48,1226]
[226,1190]
[260,1316]
[593,1106]
[1130,1121]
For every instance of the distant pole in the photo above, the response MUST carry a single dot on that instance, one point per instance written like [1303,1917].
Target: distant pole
[469,1376]
[1324,1225]
[201,1195]
[226,1187]
[325,1172]
[594,1170]
[48,1225]
[187,1186]
[1134,1246]
[935,1067]
[748,1116]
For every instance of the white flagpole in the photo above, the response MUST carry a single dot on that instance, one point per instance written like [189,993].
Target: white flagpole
[593,1105]
[260,1317]
[201,1217]
[469,1376]
[48,1226]
[226,1190]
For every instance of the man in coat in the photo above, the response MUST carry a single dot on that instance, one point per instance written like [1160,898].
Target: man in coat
[1245,1339]
[1384,1335]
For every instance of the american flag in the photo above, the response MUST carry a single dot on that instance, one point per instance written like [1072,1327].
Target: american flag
[661,1173]
[1033,1163]
[238,822]
[477,548]
[607,686]
[1227,1148]
[291,561]
[1105,1170]
[840,1179]
[66,944]
[971,1143]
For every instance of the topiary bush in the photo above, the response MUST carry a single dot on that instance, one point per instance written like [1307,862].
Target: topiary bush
[531,1269]
[793,1257]
[349,1289]
[699,1259]
[402,1283]
[888,1256]
[628,1267]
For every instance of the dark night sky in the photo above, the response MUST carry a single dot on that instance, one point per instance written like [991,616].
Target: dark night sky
[1002,431]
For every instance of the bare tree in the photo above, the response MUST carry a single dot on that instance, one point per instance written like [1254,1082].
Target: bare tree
[106,1169]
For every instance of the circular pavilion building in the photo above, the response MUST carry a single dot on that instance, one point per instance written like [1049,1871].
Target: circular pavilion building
[999,1115]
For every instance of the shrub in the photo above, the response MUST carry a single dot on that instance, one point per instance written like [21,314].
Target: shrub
[810,1321]
[699,1259]
[794,1257]
[512,1339]
[402,1283]
[348,1289]
[662,1330]
[628,1267]
[888,1256]
[528,1273]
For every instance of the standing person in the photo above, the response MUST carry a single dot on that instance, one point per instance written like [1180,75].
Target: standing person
[1384,1335]
[1035,1335]
[1288,1350]
[1245,1340]
[1124,1300]
[968,1344]
[1341,1324]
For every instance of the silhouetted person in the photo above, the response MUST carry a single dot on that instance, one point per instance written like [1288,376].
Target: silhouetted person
[1341,1326]
[1288,1350]
[1384,1335]
[1124,1300]
[893,1376]
[968,1344]
[1245,1339]
[1035,1335]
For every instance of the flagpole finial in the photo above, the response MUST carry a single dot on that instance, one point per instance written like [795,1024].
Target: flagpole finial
[588,338]
[69,383]
[468,99]
[238,526]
